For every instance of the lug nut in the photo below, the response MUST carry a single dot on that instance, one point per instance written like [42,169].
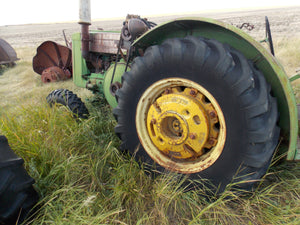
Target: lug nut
[212,141]
[212,114]
[192,136]
[168,91]
[193,92]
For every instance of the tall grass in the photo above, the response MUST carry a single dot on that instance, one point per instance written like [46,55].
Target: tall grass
[83,178]
[288,52]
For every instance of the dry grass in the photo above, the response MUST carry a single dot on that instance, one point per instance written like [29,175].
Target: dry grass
[82,178]
[288,52]
[20,85]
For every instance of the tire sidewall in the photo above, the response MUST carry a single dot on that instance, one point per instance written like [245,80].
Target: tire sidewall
[231,157]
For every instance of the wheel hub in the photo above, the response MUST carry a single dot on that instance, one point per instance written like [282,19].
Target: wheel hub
[179,124]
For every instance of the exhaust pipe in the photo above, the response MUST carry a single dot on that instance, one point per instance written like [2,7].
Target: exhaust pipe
[85,22]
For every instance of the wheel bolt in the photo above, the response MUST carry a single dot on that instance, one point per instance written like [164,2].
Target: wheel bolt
[193,92]
[192,136]
[168,91]
[211,141]
[212,114]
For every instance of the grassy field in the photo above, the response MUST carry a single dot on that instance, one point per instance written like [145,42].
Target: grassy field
[82,177]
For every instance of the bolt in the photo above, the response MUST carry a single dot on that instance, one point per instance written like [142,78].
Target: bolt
[212,114]
[212,141]
[153,121]
[192,136]
[168,91]
[193,92]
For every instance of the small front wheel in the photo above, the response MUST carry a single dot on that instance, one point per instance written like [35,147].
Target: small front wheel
[70,100]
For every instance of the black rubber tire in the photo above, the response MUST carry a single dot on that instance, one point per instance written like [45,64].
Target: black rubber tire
[70,100]
[241,90]
[17,195]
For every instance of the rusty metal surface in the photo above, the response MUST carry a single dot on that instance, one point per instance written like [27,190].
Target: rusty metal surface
[7,53]
[85,40]
[104,42]
[51,54]
[247,26]
[55,73]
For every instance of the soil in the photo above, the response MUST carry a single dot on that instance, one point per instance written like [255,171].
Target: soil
[285,22]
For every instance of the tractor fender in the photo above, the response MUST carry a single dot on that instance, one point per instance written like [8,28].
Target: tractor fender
[252,50]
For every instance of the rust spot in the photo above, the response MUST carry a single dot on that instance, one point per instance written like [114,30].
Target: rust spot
[153,121]
[212,114]
[192,136]
[193,92]
[174,154]
[212,141]
[54,73]
[168,91]
[157,107]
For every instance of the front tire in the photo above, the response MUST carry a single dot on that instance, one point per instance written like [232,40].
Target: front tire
[70,100]
[198,107]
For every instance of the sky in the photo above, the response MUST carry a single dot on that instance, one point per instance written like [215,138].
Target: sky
[47,11]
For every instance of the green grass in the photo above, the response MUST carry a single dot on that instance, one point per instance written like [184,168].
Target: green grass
[82,177]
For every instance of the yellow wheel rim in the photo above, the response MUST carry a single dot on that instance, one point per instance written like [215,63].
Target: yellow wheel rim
[180,125]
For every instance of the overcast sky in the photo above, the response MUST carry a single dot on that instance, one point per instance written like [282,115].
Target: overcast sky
[44,11]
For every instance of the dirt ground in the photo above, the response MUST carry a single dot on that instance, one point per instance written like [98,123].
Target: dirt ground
[283,21]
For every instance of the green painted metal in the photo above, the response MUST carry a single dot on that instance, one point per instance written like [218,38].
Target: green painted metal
[294,77]
[96,82]
[82,77]
[253,50]
[79,64]
[119,71]
[297,155]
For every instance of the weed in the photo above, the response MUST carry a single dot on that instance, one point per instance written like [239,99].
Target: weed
[83,178]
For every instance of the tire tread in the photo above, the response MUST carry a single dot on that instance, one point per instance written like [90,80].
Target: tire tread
[248,84]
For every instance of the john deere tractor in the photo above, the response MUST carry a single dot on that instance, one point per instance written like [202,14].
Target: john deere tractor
[194,95]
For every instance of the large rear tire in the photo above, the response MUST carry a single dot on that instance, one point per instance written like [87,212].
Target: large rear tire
[17,196]
[198,107]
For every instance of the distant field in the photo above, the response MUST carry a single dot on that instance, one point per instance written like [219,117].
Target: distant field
[285,22]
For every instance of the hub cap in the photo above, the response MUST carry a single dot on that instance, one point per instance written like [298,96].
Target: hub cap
[180,125]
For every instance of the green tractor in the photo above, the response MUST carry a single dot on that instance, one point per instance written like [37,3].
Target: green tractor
[193,96]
